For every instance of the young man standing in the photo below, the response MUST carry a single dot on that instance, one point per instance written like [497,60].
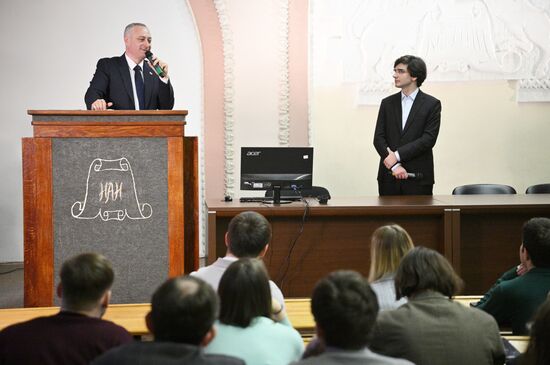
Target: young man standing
[406,131]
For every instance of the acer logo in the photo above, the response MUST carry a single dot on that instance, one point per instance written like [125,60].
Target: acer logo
[253,153]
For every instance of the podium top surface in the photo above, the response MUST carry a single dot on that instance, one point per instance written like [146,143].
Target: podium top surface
[107,115]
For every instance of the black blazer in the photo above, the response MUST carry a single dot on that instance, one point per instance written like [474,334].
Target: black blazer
[112,82]
[415,142]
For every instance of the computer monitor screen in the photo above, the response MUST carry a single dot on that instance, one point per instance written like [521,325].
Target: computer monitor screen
[266,168]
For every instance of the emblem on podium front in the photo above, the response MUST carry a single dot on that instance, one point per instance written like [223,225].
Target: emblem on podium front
[111,193]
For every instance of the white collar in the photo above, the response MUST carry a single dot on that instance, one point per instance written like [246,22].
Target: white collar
[132,64]
[412,95]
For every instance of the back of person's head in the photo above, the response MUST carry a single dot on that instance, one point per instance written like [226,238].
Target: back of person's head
[85,279]
[425,269]
[183,310]
[248,234]
[345,308]
[416,67]
[388,246]
[538,351]
[536,240]
[244,292]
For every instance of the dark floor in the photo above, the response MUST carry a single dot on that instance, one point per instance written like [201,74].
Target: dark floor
[11,285]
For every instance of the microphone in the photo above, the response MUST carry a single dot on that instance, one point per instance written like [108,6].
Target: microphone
[412,175]
[157,67]
[415,175]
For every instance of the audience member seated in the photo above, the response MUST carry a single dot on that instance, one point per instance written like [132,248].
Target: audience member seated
[515,297]
[388,246]
[344,308]
[431,328]
[248,235]
[246,328]
[538,351]
[183,311]
[77,334]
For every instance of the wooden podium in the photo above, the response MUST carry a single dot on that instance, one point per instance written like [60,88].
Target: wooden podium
[121,183]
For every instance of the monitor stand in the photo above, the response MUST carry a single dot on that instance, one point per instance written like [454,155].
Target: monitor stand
[277,196]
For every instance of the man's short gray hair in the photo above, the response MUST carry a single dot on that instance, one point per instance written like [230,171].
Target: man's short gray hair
[131,26]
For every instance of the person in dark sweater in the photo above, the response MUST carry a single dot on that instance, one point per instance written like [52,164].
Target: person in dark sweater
[77,334]
[518,293]
[183,311]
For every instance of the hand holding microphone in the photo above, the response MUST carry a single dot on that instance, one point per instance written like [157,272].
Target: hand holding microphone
[156,64]
[401,174]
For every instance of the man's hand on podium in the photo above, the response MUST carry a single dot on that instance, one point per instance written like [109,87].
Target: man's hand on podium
[101,104]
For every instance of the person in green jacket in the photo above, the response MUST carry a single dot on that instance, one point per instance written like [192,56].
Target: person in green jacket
[515,297]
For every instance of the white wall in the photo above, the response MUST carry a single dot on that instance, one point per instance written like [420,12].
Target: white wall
[256,52]
[486,136]
[48,55]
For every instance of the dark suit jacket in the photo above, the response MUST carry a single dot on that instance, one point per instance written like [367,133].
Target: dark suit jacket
[162,353]
[112,82]
[415,142]
[513,300]
[433,329]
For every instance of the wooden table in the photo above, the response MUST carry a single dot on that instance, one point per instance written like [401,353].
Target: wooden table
[479,234]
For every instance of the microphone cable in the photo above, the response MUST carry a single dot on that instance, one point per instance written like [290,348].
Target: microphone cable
[286,263]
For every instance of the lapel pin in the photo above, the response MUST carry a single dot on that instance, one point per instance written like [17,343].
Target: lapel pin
[150,73]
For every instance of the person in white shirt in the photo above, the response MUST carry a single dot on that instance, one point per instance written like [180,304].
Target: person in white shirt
[248,236]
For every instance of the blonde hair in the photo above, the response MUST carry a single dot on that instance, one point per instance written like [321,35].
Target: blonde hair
[388,246]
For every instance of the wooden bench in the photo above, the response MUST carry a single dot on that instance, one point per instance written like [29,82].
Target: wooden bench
[132,317]
[466,300]
[129,316]
[519,342]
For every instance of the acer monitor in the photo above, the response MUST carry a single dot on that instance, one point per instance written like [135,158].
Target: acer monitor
[276,168]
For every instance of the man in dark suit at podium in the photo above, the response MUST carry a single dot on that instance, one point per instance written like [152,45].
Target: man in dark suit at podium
[406,131]
[130,82]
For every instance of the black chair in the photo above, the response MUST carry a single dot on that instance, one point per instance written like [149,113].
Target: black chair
[538,189]
[318,192]
[483,189]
